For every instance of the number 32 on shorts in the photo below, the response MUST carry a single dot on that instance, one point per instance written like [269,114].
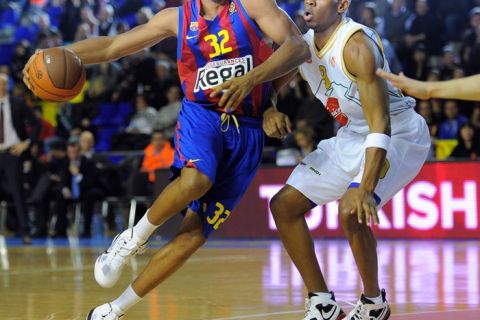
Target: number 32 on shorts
[220,216]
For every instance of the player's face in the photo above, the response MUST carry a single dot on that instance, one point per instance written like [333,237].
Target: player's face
[322,14]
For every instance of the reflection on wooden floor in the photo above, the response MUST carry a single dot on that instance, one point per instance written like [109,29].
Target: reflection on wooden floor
[240,280]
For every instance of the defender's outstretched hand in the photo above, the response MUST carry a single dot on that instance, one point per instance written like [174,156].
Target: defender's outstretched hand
[411,87]
[276,124]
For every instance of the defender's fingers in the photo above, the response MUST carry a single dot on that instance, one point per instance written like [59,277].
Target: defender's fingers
[376,221]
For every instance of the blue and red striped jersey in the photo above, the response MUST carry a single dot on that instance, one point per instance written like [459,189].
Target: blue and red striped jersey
[211,52]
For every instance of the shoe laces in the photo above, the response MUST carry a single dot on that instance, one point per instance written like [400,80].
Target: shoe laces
[360,312]
[123,248]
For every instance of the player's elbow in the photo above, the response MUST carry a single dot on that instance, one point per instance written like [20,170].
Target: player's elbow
[303,49]
[299,48]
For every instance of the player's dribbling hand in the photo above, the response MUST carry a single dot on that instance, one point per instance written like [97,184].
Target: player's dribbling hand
[362,203]
[412,87]
[26,77]
[276,124]
[234,91]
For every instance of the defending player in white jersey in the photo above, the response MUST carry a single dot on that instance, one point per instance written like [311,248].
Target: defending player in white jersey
[381,147]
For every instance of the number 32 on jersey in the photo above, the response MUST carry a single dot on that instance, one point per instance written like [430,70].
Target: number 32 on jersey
[219,47]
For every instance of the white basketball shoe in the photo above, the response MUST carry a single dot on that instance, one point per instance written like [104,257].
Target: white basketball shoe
[319,308]
[367,310]
[104,312]
[109,265]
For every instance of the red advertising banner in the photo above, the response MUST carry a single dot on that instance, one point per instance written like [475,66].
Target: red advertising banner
[441,202]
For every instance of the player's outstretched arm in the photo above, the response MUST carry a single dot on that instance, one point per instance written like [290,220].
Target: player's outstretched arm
[104,49]
[464,89]
[362,58]
[293,51]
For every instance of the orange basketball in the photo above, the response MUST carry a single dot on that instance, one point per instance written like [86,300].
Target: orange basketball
[56,74]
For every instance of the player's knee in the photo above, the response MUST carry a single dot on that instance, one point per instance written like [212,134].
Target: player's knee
[194,183]
[348,220]
[280,207]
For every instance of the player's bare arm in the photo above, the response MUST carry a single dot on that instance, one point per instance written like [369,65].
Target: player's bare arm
[276,25]
[362,58]
[464,89]
[104,49]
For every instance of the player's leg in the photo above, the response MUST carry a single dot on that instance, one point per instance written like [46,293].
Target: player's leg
[364,248]
[316,180]
[198,152]
[165,262]
[288,209]
[407,153]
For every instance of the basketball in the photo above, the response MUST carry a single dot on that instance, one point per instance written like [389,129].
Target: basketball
[56,74]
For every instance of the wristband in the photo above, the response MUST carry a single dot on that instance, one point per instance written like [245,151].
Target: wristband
[377,140]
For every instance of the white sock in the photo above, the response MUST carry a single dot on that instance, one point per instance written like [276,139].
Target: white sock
[376,300]
[144,228]
[323,295]
[126,300]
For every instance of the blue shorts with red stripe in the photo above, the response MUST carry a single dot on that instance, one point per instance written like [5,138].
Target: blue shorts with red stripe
[228,154]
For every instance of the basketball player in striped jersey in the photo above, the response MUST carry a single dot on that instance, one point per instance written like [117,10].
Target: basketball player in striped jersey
[225,68]
[380,147]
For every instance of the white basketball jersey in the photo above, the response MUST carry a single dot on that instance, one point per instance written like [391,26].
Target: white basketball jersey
[336,87]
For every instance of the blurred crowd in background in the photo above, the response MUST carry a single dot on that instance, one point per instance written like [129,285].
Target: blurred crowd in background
[128,109]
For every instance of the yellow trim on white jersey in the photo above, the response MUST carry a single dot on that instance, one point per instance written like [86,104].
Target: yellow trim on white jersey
[330,42]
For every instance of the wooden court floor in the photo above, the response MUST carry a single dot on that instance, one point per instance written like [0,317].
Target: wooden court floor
[240,280]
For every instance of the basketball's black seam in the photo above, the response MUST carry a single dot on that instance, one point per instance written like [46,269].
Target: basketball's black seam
[48,72]
[49,92]
[66,70]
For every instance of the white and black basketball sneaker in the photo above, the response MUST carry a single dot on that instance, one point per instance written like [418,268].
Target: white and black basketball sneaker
[104,312]
[367,310]
[320,308]
[109,265]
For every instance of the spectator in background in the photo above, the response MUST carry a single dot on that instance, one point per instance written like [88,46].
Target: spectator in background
[449,63]
[450,127]
[48,188]
[167,116]
[143,119]
[87,144]
[20,57]
[468,147]
[425,110]
[70,19]
[137,134]
[395,22]
[83,32]
[370,19]
[304,138]
[425,28]
[471,44]
[106,24]
[88,17]
[163,80]
[16,119]
[47,130]
[143,15]
[78,184]
[158,154]
[418,66]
